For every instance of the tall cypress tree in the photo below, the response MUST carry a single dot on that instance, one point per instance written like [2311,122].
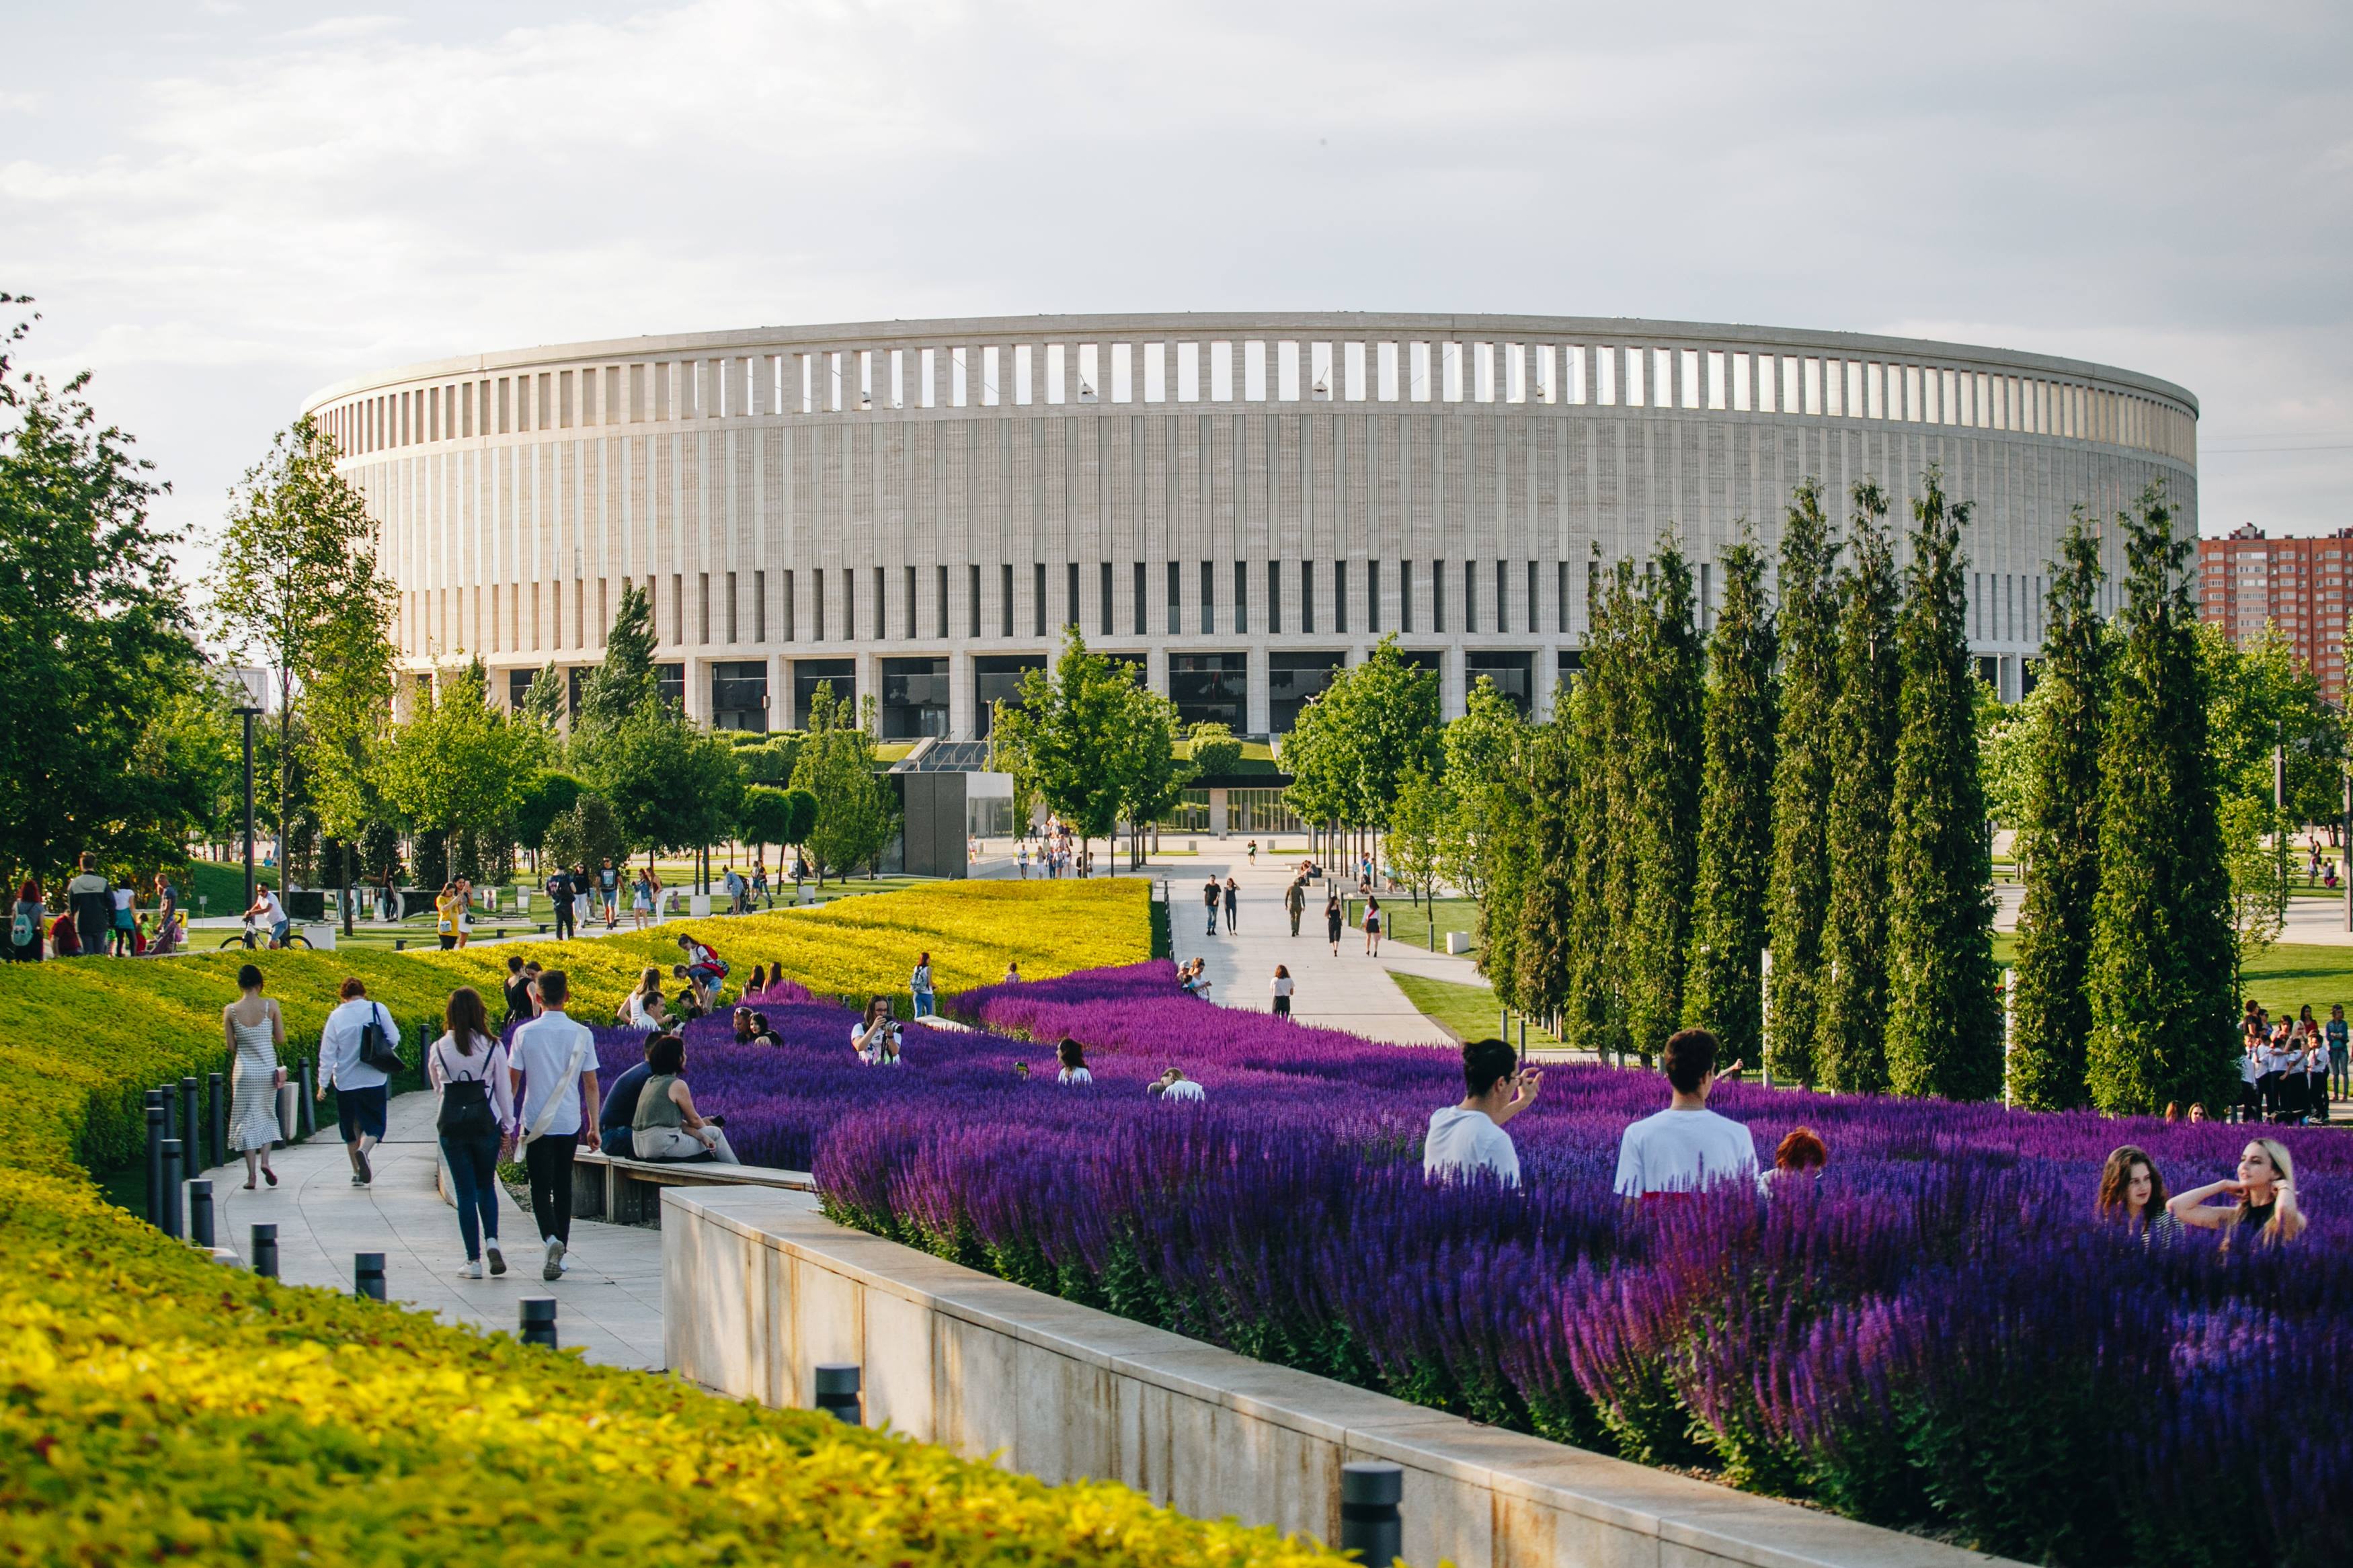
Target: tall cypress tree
[1603,883]
[1663,815]
[1546,921]
[1943,1024]
[1799,895]
[2162,997]
[2059,841]
[1722,991]
[1851,1047]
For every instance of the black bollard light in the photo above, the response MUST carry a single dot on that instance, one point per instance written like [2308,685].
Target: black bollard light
[200,1213]
[170,1093]
[1370,1525]
[170,1222]
[263,1252]
[538,1321]
[305,1097]
[836,1393]
[155,1155]
[367,1276]
[192,1129]
[216,1090]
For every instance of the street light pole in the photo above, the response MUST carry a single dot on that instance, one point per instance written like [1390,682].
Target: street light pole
[249,714]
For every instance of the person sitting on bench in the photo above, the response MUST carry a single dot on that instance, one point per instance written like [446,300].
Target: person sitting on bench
[666,1126]
[614,1117]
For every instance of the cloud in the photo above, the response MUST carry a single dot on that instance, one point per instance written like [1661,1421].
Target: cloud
[295,199]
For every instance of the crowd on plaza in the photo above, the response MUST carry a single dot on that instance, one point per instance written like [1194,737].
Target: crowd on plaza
[1057,851]
[94,913]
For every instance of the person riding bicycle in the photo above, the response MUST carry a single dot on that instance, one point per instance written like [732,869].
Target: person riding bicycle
[269,912]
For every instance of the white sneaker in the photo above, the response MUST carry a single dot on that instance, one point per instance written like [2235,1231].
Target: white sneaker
[553,1267]
[473,1269]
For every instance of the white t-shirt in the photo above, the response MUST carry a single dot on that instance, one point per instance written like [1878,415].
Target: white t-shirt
[1282,986]
[1074,1075]
[1461,1141]
[1183,1089]
[1681,1150]
[339,1043]
[272,911]
[543,1050]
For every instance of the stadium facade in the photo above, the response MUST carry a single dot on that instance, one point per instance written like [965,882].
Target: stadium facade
[915,510]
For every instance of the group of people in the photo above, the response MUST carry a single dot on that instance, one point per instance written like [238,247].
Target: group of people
[1171,1087]
[1056,852]
[2288,1068]
[95,914]
[1687,1148]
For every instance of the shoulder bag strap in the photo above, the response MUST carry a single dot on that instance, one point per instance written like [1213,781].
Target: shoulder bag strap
[540,1123]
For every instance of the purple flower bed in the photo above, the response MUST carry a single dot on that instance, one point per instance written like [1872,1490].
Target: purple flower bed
[1935,1335]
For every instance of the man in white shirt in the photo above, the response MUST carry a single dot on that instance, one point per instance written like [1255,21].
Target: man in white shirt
[1686,1146]
[554,1067]
[1468,1138]
[270,913]
[359,1087]
[1174,1085]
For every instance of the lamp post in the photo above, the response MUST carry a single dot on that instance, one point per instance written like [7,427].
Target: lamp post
[248,713]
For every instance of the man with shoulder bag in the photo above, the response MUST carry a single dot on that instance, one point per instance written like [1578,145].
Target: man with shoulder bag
[553,1065]
[358,1052]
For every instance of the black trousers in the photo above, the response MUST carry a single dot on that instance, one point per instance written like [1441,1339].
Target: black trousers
[548,1161]
[564,909]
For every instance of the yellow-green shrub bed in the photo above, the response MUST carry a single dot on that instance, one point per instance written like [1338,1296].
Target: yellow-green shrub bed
[157,1406]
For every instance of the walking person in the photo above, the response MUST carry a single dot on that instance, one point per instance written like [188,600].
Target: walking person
[560,894]
[467,1069]
[1281,986]
[387,896]
[444,916]
[167,916]
[1233,900]
[1295,902]
[641,902]
[1021,858]
[464,910]
[760,884]
[122,901]
[90,898]
[254,1031]
[1333,919]
[1211,892]
[27,923]
[919,984]
[345,1050]
[608,890]
[1372,927]
[553,1063]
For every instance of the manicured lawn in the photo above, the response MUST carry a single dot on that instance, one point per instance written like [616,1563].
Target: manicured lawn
[2284,978]
[1469,1012]
[1408,922]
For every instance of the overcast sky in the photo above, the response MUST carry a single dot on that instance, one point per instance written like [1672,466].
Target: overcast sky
[222,207]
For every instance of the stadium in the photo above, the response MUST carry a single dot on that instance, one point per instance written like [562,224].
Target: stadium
[1243,504]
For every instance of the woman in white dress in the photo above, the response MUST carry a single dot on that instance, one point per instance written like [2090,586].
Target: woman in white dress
[254,1031]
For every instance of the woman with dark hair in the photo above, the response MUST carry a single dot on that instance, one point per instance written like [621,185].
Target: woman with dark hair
[467,1069]
[1073,1059]
[667,1126]
[875,1037]
[641,1009]
[2132,1190]
[1333,919]
[254,1031]
[2265,1190]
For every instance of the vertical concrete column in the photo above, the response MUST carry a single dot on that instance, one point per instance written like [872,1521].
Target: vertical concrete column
[1259,707]
[1453,683]
[780,693]
[962,720]
[870,683]
[698,689]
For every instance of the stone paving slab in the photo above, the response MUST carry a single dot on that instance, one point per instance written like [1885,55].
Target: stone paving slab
[608,1304]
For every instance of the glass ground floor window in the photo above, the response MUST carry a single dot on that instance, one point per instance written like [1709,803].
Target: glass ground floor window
[808,674]
[1512,674]
[914,698]
[1261,811]
[1210,689]
[739,695]
[1190,815]
[1292,679]
[996,678]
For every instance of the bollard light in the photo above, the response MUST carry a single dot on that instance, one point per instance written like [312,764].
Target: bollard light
[538,1321]
[169,1095]
[1370,1525]
[263,1251]
[305,1097]
[367,1276]
[217,1095]
[170,1191]
[200,1213]
[836,1393]
[155,1155]
[192,1129]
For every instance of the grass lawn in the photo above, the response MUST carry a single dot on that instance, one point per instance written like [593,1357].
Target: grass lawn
[223,886]
[2283,979]
[1408,922]
[1469,1012]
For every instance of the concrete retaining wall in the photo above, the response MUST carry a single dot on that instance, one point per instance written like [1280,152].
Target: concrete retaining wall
[757,1290]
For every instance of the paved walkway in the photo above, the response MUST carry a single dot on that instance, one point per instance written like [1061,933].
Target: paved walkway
[609,1304]
[1351,992]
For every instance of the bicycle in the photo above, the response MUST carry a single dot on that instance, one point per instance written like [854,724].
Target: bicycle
[250,937]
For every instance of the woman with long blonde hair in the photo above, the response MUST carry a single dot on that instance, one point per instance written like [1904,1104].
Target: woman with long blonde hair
[2265,1190]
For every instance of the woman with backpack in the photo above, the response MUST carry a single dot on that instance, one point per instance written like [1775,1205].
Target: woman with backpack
[25,924]
[468,1068]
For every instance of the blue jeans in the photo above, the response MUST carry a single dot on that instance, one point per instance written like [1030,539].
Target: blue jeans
[924,1004]
[474,1173]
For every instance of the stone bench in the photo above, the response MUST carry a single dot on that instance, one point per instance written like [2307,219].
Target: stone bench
[628,1192]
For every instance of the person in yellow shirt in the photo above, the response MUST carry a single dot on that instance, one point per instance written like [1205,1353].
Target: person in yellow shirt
[448,906]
